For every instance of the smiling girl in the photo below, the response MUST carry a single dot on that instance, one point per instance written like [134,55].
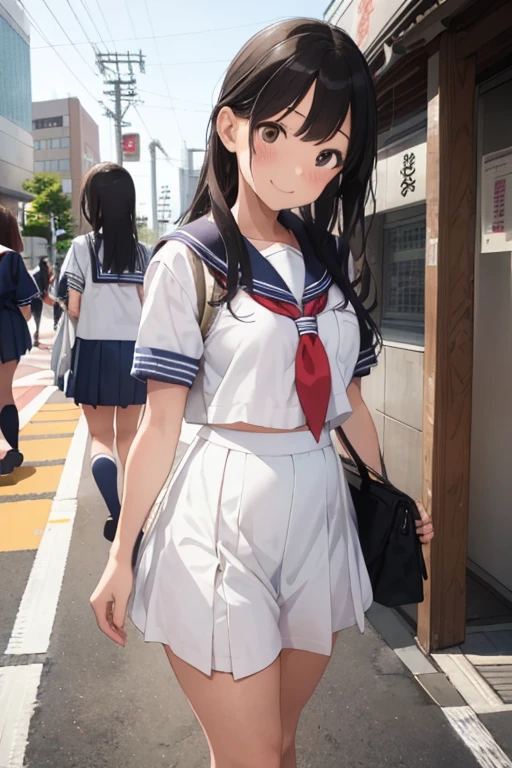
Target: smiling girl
[252,565]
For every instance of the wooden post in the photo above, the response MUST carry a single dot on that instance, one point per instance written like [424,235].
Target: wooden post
[451,193]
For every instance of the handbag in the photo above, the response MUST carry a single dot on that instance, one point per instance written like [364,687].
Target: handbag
[63,349]
[391,547]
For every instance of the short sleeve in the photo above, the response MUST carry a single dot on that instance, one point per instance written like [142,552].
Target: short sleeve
[74,270]
[142,258]
[169,344]
[366,361]
[26,286]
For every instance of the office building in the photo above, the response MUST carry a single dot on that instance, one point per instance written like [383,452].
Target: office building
[66,141]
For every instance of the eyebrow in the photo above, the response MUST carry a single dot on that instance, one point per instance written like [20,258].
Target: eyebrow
[339,131]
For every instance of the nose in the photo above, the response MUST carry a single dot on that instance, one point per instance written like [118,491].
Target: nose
[298,171]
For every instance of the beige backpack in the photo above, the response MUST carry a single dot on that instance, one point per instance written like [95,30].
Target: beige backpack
[207,289]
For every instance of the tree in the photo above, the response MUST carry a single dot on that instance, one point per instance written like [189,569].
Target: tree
[49,198]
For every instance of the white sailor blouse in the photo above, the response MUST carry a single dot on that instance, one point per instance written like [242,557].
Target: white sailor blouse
[273,361]
[110,307]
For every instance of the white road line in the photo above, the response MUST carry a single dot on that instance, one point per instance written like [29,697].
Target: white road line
[476,737]
[42,376]
[36,615]
[32,408]
[18,694]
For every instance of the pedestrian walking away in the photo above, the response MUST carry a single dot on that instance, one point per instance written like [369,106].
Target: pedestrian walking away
[17,290]
[43,275]
[103,274]
[251,565]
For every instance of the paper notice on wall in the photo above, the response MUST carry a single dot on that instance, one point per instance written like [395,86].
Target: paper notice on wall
[497,201]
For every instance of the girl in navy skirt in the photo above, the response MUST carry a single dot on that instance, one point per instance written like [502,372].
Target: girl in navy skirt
[17,289]
[104,272]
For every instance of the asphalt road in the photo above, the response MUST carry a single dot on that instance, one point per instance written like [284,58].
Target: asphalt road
[100,706]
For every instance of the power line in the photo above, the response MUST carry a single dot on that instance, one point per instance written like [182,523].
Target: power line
[189,63]
[176,98]
[174,34]
[127,4]
[80,23]
[68,37]
[41,33]
[161,69]
[93,23]
[179,109]
[106,25]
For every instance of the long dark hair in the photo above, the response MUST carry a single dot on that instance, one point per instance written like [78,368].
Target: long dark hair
[107,201]
[44,275]
[271,74]
[9,231]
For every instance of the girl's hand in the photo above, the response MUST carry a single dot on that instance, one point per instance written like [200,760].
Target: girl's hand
[110,599]
[424,527]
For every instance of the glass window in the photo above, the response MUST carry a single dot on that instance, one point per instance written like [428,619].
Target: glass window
[15,95]
[39,166]
[64,142]
[403,317]
[37,145]
[64,165]
[53,165]
[65,122]
[47,122]
[55,144]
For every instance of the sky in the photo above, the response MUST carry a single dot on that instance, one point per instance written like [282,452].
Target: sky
[188,47]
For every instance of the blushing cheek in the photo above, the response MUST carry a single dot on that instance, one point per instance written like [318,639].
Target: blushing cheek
[264,153]
[317,179]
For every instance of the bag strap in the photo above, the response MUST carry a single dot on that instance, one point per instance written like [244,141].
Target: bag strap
[207,291]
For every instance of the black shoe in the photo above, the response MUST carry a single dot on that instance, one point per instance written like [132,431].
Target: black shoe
[11,461]
[110,528]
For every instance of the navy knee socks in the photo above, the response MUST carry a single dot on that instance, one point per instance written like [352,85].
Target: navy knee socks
[104,471]
[10,425]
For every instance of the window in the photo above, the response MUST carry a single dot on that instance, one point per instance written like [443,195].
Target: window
[15,96]
[66,121]
[403,317]
[53,165]
[64,165]
[54,143]
[64,142]
[47,122]
[39,166]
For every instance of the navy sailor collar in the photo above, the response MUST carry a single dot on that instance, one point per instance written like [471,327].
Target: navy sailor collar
[203,237]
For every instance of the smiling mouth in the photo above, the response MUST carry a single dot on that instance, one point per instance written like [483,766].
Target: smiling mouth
[286,192]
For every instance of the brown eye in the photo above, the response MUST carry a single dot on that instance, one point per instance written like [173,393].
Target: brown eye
[269,132]
[329,158]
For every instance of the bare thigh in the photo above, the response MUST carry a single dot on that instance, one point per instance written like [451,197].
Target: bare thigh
[240,718]
[301,672]
[127,422]
[7,371]
[100,421]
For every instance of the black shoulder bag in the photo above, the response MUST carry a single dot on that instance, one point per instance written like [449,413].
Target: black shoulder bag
[389,542]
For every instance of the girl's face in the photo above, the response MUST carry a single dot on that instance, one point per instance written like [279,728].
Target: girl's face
[285,171]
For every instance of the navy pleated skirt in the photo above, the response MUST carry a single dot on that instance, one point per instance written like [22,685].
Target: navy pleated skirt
[100,374]
[14,335]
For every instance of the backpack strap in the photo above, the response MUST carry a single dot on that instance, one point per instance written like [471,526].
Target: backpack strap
[206,254]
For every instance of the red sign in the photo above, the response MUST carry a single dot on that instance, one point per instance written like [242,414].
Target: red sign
[131,147]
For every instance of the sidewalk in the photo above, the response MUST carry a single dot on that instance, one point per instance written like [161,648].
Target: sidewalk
[33,374]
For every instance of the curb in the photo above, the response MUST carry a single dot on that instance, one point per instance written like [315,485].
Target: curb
[452,692]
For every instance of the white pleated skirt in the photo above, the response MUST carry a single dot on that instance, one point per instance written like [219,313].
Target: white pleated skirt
[254,548]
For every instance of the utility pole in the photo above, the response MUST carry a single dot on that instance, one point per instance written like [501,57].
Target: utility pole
[154,145]
[164,213]
[117,71]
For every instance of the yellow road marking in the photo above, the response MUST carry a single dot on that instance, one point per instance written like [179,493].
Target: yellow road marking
[55,416]
[30,480]
[53,428]
[23,526]
[59,407]
[64,520]
[46,450]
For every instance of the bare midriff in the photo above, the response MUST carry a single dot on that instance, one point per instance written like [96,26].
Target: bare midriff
[243,427]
